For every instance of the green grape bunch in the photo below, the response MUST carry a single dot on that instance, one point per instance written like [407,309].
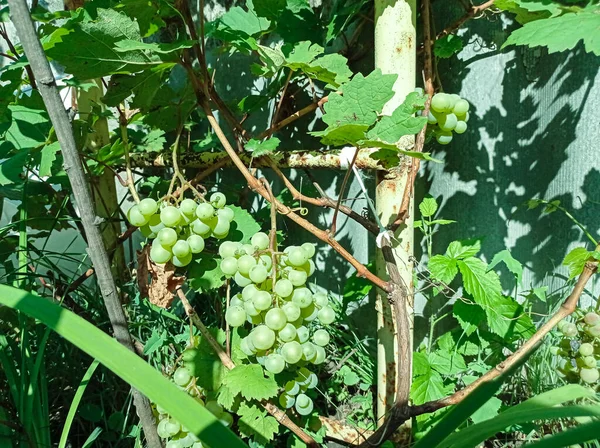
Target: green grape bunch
[449,113]
[579,349]
[179,232]
[287,319]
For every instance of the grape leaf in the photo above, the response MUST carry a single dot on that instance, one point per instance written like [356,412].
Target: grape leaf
[249,381]
[255,422]
[447,362]
[145,12]
[529,10]
[204,364]
[48,156]
[270,9]
[511,263]
[243,225]
[88,51]
[427,387]
[204,274]
[442,268]
[301,54]
[561,33]
[469,316]
[420,364]
[240,28]
[428,206]
[123,46]
[482,284]
[576,260]
[29,127]
[12,168]
[225,397]
[508,319]
[463,249]
[488,410]
[447,46]
[258,148]
[308,58]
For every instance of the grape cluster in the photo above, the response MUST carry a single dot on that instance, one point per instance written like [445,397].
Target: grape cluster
[169,429]
[283,312]
[179,232]
[579,348]
[449,112]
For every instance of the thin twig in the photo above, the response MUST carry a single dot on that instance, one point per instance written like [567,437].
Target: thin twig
[280,102]
[283,123]
[12,48]
[125,139]
[273,232]
[279,415]
[341,195]
[473,12]
[227,327]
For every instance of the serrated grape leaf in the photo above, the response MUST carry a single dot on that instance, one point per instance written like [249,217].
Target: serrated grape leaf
[427,387]
[123,46]
[225,397]
[48,156]
[88,51]
[145,12]
[357,108]
[144,86]
[11,169]
[249,380]
[29,128]
[388,154]
[508,319]
[240,28]
[390,129]
[482,284]
[466,346]
[447,46]
[205,365]
[513,265]
[258,148]
[270,9]
[254,422]
[420,364]
[487,411]
[529,10]
[463,249]
[243,226]
[442,268]
[576,260]
[447,362]
[301,54]
[561,33]
[153,141]
[469,316]
[204,274]
[428,206]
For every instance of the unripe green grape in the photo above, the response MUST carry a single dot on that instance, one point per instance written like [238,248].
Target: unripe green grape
[297,256]
[258,273]
[309,249]
[440,102]
[229,266]
[214,408]
[454,98]
[181,262]
[586,349]
[236,300]
[148,206]
[310,267]
[569,330]
[326,315]
[321,355]
[275,319]
[262,300]
[310,313]
[303,334]
[283,288]
[292,388]
[167,237]
[155,223]
[196,243]
[287,333]
[226,213]
[182,376]
[308,351]
[251,309]
[235,316]
[321,337]
[170,216]
[172,427]
[260,240]
[263,337]
[245,348]
[431,119]
[275,363]
[561,324]
[218,200]
[249,292]
[593,331]
[304,405]
[589,375]
[554,350]
[589,361]
[291,352]
[221,229]
[266,261]
[449,123]
[245,263]
[181,249]
[241,280]
[320,299]
[161,429]
[226,419]
[188,207]
[228,249]
[200,228]
[136,217]
[256,320]
[248,249]
[205,212]
[302,297]
[443,138]
[297,277]
[159,254]
[461,107]
[147,231]
[313,381]
[591,318]
[286,401]
[461,127]
[292,311]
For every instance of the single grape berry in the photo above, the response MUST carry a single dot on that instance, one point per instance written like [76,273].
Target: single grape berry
[182,376]
[304,405]
[181,249]
[589,375]
[275,319]
[218,200]
[461,127]
[461,107]
[159,254]
[591,318]
[188,207]
[200,228]
[593,331]
[302,297]
[586,349]
[262,300]
[286,401]
[221,228]
[170,216]
[291,352]
[292,388]
[297,256]
[283,288]
[229,266]
[589,361]
[326,315]
[235,316]
[321,337]
[569,330]
[226,213]
[263,337]
[297,277]
[167,237]
[260,240]
[136,218]
[228,249]
[196,243]
[287,333]
[439,102]
[240,280]
[148,206]
[258,273]
[181,262]
[444,138]
[321,355]
[303,334]
[275,363]
[205,211]
[292,311]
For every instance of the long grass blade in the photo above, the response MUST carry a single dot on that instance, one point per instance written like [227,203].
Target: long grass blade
[579,434]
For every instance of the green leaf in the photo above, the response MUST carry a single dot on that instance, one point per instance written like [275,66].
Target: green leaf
[561,33]
[243,227]
[576,260]
[508,319]
[126,45]
[302,54]
[487,411]
[225,397]
[350,377]
[469,316]
[145,12]
[249,381]
[144,86]
[255,422]
[428,206]
[442,268]
[420,364]
[204,364]
[447,46]
[29,128]
[427,387]
[124,363]
[89,50]
[258,148]
[482,284]
[271,9]
[587,432]
[390,129]
[48,158]
[204,274]
[12,168]
[154,342]
[309,59]
[528,10]
[442,222]
[446,362]
[511,263]
[463,249]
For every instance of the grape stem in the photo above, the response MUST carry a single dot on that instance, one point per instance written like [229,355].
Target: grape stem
[125,139]
[273,232]
[342,191]
[227,328]
[226,360]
